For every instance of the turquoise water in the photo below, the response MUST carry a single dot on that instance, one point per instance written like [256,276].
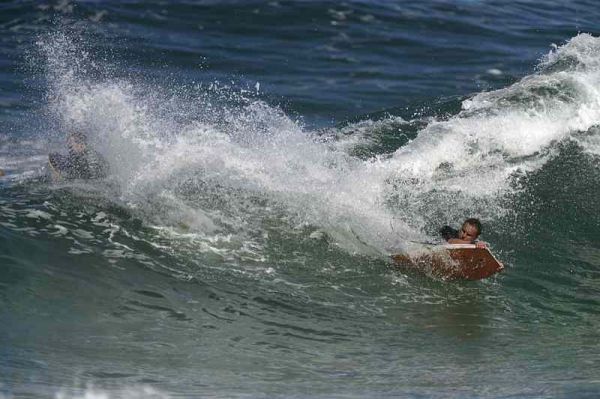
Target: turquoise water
[266,158]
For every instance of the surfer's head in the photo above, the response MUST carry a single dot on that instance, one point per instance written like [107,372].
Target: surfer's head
[77,142]
[470,230]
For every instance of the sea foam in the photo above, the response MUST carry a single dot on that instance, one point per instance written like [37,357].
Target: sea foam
[220,163]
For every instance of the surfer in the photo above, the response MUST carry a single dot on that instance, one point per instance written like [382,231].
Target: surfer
[82,162]
[468,233]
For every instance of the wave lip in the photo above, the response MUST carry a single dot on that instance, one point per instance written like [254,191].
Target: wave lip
[506,132]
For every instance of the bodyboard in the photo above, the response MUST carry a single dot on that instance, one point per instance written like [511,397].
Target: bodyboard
[451,261]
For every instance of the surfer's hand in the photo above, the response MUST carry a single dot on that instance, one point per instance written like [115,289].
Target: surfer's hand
[480,244]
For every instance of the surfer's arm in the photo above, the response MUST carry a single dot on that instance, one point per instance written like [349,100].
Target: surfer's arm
[448,232]
[54,173]
[479,244]
[458,241]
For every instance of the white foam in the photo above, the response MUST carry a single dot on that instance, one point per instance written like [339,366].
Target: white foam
[37,214]
[241,164]
[133,392]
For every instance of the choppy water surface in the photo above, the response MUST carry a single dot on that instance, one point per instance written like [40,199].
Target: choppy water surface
[266,158]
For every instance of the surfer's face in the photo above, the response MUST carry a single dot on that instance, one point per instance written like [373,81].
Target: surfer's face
[76,145]
[468,232]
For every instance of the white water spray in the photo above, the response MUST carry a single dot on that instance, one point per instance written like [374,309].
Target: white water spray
[241,164]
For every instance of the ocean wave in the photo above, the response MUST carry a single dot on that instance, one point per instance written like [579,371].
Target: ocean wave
[220,162]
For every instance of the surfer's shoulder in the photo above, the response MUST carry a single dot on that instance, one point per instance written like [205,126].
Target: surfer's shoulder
[448,233]
[82,162]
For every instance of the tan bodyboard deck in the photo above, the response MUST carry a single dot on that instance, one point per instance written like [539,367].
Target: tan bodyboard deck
[452,261]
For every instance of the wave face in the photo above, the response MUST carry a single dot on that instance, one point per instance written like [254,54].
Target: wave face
[240,245]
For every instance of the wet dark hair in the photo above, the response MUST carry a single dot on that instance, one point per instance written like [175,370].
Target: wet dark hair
[476,223]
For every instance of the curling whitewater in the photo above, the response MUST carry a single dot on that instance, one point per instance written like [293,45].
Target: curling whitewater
[220,163]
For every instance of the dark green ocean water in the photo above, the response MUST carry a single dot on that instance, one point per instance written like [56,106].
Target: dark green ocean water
[266,159]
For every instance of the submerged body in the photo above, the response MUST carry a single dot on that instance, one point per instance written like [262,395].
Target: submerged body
[81,162]
[86,165]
